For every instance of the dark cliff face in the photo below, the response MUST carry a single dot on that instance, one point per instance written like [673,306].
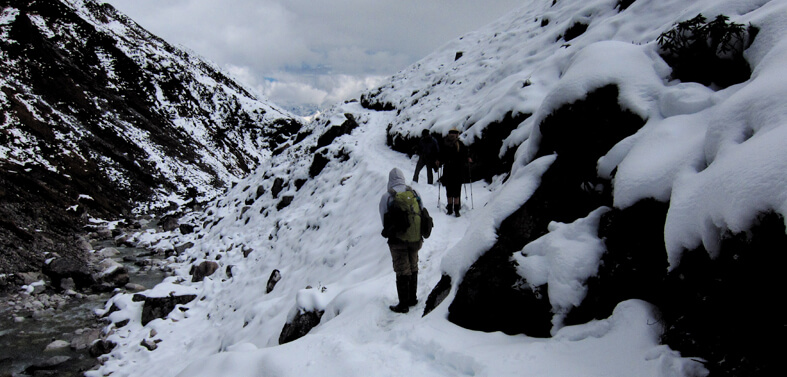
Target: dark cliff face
[98,116]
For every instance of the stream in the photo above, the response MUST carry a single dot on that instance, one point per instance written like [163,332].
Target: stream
[25,333]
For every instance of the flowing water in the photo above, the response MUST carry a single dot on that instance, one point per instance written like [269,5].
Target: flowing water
[24,337]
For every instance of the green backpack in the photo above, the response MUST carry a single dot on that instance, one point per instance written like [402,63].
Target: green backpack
[403,219]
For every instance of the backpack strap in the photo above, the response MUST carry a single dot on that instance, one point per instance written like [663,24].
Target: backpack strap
[391,195]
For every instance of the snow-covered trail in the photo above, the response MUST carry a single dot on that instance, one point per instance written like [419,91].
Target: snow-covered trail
[448,229]
[329,239]
[358,334]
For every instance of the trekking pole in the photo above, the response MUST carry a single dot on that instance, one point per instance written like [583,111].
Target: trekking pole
[439,184]
[470,177]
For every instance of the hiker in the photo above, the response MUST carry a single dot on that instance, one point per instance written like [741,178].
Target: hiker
[453,156]
[428,149]
[403,243]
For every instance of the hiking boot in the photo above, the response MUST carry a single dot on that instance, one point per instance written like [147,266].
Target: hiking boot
[399,308]
[403,290]
[413,301]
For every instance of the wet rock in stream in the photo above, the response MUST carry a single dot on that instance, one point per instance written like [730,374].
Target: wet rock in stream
[48,321]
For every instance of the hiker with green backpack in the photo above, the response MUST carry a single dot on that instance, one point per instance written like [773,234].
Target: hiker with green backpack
[405,224]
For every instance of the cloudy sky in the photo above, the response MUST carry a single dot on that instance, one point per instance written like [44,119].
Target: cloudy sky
[312,52]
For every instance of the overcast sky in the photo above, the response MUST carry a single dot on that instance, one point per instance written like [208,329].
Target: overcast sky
[312,51]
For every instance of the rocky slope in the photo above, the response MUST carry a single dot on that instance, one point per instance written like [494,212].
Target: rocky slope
[100,118]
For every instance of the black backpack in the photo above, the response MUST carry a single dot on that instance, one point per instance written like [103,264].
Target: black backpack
[426,223]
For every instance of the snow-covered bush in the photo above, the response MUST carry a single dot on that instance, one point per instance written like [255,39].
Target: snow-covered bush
[708,52]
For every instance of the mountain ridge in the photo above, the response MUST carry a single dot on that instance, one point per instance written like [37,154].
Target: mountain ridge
[102,119]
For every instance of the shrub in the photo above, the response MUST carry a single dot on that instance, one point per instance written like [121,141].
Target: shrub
[707,52]
[624,4]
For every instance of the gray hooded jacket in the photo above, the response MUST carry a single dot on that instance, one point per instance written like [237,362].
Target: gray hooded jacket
[396,182]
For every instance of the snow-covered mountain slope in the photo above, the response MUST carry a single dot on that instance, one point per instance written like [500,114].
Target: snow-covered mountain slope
[101,114]
[332,260]
[638,230]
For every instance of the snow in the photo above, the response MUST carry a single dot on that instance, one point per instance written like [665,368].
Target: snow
[328,238]
[482,235]
[8,16]
[564,259]
[719,157]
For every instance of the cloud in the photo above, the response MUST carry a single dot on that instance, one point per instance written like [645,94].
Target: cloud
[318,90]
[314,49]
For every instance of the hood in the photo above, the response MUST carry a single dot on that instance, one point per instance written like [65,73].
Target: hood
[396,180]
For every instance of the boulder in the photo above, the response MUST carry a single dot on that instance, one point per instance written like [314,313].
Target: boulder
[37,287]
[101,347]
[135,287]
[720,308]
[122,323]
[278,185]
[57,345]
[67,284]
[438,294]
[183,247]
[28,278]
[124,240]
[247,251]
[108,252]
[285,201]
[186,228]
[634,265]
[491,295]
[336,131]
[104,233]
[50,364]
[319,162]
[272,280]
[149,344]
[169,223]
[62,268]
[300,325]
[84,340]
[84,245]
[160,307]
[203,270]
[113,273]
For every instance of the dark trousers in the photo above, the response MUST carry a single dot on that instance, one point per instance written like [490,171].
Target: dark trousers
[429,166]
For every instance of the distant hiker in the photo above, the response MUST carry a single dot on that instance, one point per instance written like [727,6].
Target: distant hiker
[428,150]
[453,156]
[400,211]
